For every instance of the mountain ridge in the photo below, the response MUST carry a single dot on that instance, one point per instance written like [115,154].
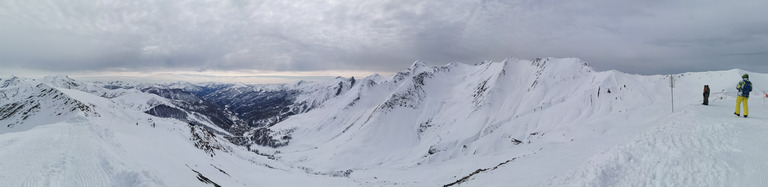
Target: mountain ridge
[423,126]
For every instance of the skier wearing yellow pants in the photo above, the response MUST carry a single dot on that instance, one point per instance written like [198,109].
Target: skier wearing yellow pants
[744,88]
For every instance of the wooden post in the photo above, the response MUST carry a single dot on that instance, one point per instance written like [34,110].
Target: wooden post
[672,90]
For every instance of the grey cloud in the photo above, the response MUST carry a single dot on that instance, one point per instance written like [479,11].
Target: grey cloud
[303,35]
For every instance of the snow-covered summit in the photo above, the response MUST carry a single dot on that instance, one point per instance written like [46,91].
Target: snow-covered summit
[61,81]
[12,81]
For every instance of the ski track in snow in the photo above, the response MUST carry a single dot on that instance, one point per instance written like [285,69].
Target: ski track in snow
[62,160]
[72,156]
[699,146]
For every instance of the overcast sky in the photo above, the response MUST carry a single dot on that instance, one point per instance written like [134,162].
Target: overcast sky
[289,39]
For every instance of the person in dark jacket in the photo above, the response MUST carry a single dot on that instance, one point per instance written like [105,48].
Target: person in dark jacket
[706,95]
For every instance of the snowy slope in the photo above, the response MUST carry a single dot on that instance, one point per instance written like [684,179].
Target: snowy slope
[541,122]
[459,118]
[75,138]
[698,146]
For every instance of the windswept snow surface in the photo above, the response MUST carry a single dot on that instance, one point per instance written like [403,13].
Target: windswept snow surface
[697,146]
[542,122]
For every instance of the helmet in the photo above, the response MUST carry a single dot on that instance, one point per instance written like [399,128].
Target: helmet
[745,76]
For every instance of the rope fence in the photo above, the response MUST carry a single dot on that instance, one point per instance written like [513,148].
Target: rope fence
[723,95]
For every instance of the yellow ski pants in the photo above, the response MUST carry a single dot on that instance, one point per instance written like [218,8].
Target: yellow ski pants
[746,105]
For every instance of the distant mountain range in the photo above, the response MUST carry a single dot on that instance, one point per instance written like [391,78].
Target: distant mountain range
[424,126]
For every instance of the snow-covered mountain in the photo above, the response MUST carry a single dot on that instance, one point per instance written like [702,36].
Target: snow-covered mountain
[541,122]
[70,134]
[458,117]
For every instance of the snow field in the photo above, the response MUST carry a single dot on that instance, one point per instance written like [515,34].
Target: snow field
[468,118]
[698,146]
[544,122]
